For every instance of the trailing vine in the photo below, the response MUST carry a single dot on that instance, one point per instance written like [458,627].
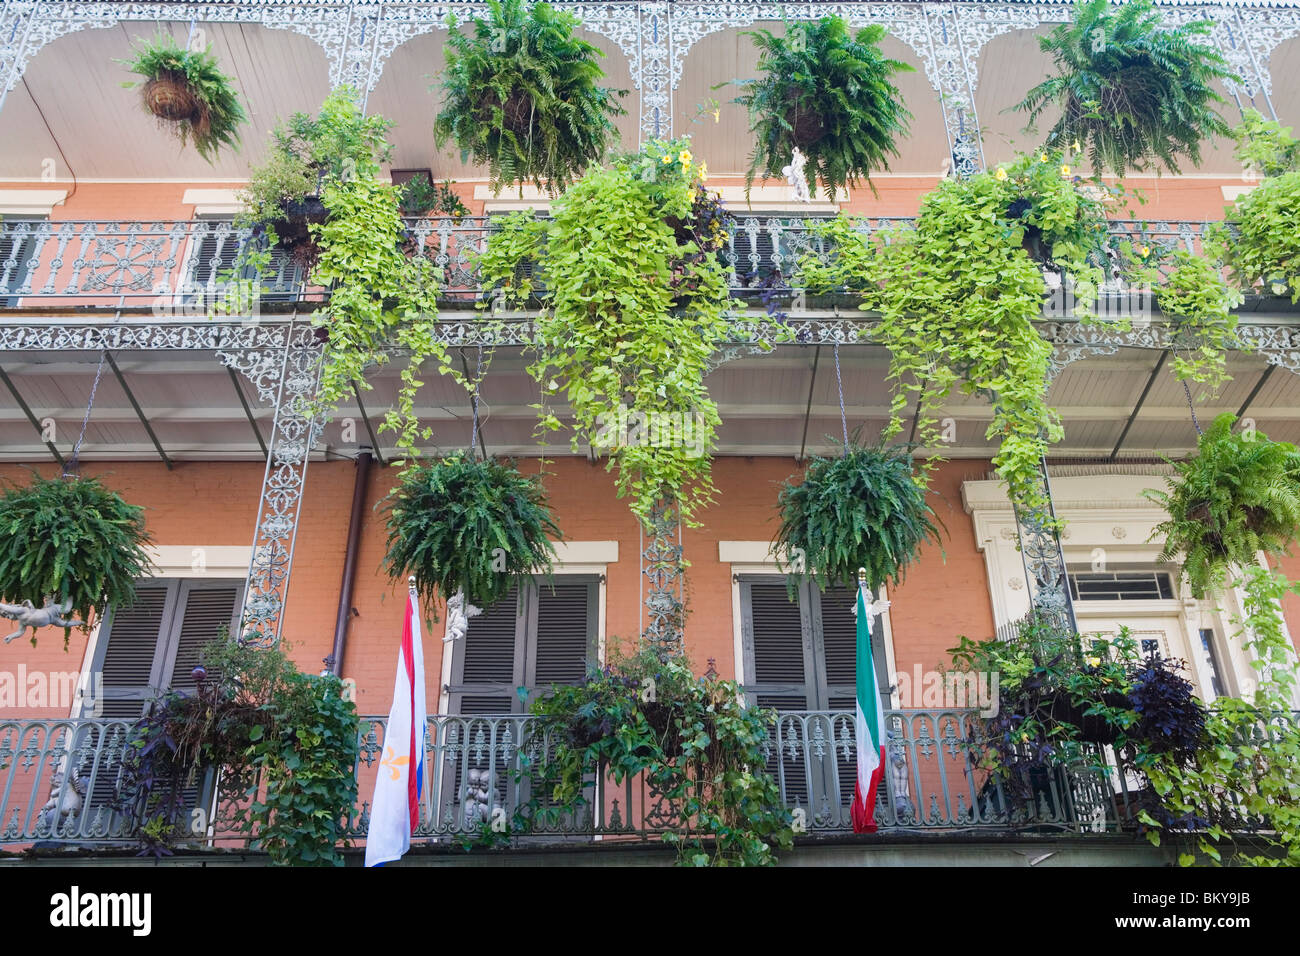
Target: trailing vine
[633,301]
[1197,297]
[958,295]
[694,740]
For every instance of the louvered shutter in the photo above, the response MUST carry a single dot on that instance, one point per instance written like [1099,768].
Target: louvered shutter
[207,609]
[564,635]
[777,647]
[133,647]
[778,664]
[488,666]
[215,250]
[17,252]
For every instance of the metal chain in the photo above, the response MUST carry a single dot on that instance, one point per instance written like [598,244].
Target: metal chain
[1192,408]
[478,381]
[71,466]
[839,383]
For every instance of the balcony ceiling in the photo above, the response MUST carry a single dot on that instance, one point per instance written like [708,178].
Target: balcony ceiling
[71,107]
[768,405]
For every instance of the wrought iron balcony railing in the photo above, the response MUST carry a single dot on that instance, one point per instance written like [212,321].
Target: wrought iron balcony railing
[183,267]
[64,780]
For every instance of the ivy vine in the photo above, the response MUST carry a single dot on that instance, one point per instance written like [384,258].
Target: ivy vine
[633,304]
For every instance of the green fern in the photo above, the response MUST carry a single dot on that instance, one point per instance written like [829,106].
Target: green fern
[221,112]
[74,540]
[863,510]
[522,96]
[1130,92]
[467,524]
[1238,496]
[829,93]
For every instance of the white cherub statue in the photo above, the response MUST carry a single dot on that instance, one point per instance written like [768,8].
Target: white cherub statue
[35,618]
[794,175]
[873,607]
[458,614]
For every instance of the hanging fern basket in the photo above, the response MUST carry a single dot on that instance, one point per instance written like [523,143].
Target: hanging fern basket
[71,541]
[468,524]
[863,509]
[806,126]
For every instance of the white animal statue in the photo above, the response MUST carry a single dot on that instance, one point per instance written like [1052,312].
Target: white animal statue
[458,614]
[37,617]
[794,175]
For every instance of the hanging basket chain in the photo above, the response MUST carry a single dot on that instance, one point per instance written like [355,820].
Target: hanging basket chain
[1191,408]
[478,381]
[839,383]
[70,468]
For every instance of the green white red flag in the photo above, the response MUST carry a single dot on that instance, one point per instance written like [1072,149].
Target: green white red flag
[869,725]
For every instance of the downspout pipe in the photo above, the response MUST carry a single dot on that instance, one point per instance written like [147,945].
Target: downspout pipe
[335,661]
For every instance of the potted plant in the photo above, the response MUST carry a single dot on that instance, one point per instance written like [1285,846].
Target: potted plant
[284,197]
[1131,91]
[420,197]
[829,93]
[186,89]
[521,96]
[1239,495]
[470,525]
[72,543]
[862,509]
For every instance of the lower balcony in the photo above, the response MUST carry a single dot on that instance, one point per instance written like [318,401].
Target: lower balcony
[61,795]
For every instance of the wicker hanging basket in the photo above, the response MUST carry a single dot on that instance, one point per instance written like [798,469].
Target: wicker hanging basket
[168,96]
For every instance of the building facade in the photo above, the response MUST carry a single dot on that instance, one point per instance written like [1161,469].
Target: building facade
[108,236]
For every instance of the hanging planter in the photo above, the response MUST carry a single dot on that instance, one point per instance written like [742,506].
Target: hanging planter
[468,524]
[865,509]
[1238,496]
[72,543]
[185,88]
[521,96]
[1133,92]
[286,195]
[829,93]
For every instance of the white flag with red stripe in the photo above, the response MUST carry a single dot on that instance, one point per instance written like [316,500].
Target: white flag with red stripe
[395,808]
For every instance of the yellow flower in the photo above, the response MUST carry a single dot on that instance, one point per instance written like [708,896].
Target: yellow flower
[1145,250]
[1065,170]
[667,158]
[1075,146]
[717,116]
[1042,157]
[704,171]
[685,157]
[1000,175]
[1093,661]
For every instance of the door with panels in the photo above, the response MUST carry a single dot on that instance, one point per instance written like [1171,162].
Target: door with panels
[800,656]
[541,634]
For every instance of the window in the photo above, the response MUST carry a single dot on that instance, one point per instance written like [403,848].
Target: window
[1215,674]
[19,245]
[542,633]
[153,645]
[802,655]
[1151,585]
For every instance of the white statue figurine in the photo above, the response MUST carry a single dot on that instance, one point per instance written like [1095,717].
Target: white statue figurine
[458,614]
[794,175]
[873,607]
[37,617]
